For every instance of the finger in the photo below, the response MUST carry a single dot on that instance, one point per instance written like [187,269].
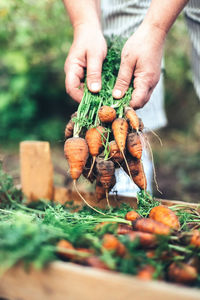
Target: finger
[94,68]
[74,74]
[124,78]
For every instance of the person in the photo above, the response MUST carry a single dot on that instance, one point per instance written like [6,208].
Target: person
[145,24]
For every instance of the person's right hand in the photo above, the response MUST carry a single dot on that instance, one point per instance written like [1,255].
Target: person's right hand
[88,51]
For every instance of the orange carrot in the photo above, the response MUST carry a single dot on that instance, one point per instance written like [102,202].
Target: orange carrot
[115,153]
[111,243]
[70,127]
[106,172]
[137,172]
[64,244]
[151,226]
[132,215]
[146,273]
[180,272]
[195,238]
[124,229]
[132,117]
[95,138]
[95,262]
[134,145]
[146,240]
[165,215]
[107,114]
[106,175]
[120,129]
[76,152]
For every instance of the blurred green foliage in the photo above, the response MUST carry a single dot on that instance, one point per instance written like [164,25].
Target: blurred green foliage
[35,37]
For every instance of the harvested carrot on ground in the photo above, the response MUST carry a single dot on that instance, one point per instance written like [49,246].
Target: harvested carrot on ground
[132,118]
[124,229]
[151,226]
[107,114]
[180,272]
[134,145]
[146,273]
[195,239]
[63,245]
[111,243]
[132,215]
[165,215]
[95,138]
[146,240]
[95,262]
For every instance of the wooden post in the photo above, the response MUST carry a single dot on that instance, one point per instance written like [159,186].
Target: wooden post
[36,170]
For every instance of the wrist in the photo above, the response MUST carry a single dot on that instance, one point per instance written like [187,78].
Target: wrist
[154,31]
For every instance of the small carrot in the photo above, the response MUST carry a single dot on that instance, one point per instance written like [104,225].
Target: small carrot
[146,273]
[64,244]
[115,153]
[132,117]
[137,172]
[70,126]
[132,215]
[195,239]
[165,215]
[120,130]
[111,243]
[180,272]
[124,229]
[95,138]
[134,145]
[95,262]
[107,114]
[151,226]
[76,152]
[146,240]
[106,173]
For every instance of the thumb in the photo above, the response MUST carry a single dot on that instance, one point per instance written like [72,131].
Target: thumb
[141,94]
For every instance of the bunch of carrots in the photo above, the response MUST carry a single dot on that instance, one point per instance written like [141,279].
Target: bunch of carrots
[105,134]
[161,240]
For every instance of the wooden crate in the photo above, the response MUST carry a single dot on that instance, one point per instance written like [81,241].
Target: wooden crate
[62,280]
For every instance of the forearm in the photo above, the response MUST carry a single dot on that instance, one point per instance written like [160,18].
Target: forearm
[162,13]
[83,12]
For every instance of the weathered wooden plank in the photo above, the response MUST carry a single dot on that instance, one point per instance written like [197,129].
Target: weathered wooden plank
[69,281]
[36,170]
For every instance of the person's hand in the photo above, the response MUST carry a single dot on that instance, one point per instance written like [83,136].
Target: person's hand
[141,58]
[88,51]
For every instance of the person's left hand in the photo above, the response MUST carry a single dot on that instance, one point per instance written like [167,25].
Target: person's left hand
[141,58]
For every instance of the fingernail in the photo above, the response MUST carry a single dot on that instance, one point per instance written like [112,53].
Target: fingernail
[95,86]
[117,93]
